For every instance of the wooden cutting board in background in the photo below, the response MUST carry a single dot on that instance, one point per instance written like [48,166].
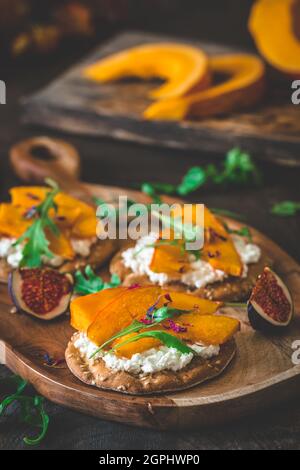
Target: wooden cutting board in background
[75,105]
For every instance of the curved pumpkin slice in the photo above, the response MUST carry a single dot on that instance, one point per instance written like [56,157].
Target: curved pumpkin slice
[183,67]
[85,309]
[60,245]
[219,249]
[271,24]
[206,329]
[28,196]
[244,87]
[12,224]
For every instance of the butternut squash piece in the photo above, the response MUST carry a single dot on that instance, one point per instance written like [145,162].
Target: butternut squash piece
[137,347]
[85,309]
[207,329]
[218,250]
[275,26]
[184,68]
[12,222]
[60,245]
[131,306]
[243,88]
[184,301]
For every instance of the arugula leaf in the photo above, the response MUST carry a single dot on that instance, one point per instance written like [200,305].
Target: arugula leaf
[242,232]
[36,243]
[158,316]
[238,168]
[194,178]
[227,213]
[32,409]
[90,283]
[168,340]
[286,208]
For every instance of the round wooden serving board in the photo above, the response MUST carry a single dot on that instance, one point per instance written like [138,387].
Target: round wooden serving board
[262,374]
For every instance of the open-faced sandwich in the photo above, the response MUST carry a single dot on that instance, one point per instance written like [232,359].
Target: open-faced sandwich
[225,269]
[43,226]
[143,340]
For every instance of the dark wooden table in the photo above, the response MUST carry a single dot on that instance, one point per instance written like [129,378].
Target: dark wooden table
[108,162]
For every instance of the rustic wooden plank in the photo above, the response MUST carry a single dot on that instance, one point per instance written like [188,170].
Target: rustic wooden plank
[75,105]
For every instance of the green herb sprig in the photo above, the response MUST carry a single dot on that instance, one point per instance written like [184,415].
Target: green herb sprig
[32,408]
[36,243]
[238,169]
[286,208]
[158,316]
[89,283]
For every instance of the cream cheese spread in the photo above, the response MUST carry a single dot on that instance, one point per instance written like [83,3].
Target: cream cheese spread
[148,362]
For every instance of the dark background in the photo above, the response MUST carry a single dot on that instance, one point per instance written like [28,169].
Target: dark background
[108,162]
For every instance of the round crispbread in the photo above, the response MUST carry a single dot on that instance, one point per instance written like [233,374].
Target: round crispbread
[101,252]
[232,289]
[198,371]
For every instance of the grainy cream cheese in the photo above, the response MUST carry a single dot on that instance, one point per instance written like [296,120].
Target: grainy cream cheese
[201,273]
[13,254]
[148,362]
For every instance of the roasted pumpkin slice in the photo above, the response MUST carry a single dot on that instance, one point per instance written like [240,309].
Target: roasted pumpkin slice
[184,301]
[12,222]
[28,196]
[206,329]
[136,347]
[60,245]
[85,309]
[184,68]
[275,27]
[242,87]
[218,250]
[111,320]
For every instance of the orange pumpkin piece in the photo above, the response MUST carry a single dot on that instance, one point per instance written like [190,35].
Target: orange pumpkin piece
[60,245]
[242,88]
[206,329]
[275,27]
[28,196]
[139,346]
[85,309]
[12,222]
[111,320]
[183,301]
[183,68]
[218,250]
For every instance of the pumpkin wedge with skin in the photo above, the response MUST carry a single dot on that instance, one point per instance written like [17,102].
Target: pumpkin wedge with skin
[184,68]
[275,27]
[243,88]
[219,251]
[207,329]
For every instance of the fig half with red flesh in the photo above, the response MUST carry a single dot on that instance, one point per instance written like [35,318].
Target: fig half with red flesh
[42,292]
[271,305]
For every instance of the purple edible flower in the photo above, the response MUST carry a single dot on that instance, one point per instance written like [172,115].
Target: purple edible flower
[175,327]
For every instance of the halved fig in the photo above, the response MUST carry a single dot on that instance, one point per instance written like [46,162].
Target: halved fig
[42,292]
[271,305]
